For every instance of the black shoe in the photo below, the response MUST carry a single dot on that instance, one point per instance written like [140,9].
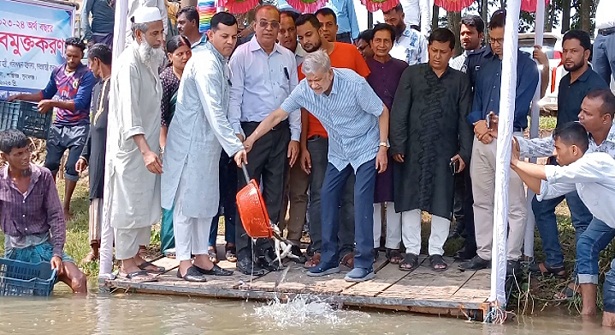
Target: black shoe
[295,250]
[513,268]
[247,267]
[463,255]
[215,271]
[192,275]
[475,263]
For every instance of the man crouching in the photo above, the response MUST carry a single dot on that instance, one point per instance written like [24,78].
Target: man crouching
[31,212]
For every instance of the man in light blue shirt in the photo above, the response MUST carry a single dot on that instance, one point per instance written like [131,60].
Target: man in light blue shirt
[357,123]
[339,21]
[263,73]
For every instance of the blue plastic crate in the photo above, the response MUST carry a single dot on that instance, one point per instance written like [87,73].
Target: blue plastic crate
[24,116]
[19,278]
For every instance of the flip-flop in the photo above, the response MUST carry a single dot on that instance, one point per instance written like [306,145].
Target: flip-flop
[394,256]
[213,256]
[143,266]
[138,277]
[544,269]
[566,294]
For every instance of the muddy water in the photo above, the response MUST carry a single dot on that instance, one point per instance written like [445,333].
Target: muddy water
[143,314]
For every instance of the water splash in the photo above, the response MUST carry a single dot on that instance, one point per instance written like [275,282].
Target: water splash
[300,311]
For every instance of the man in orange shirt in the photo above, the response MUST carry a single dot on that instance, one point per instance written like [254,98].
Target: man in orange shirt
[314,142]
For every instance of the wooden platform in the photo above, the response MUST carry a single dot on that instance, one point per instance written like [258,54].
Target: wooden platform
[449,293]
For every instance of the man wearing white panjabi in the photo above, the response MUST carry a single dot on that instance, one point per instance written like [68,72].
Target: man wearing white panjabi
[199,131]
[132,181]
[134,5]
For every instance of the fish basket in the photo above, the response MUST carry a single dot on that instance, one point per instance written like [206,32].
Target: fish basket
[19,278]
[24,116]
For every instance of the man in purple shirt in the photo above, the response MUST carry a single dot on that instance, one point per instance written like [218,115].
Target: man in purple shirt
[72,83]
[31,214]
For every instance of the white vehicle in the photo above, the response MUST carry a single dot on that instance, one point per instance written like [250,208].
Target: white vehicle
[552,47]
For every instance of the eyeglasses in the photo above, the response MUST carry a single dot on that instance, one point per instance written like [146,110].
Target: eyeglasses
[265,24]
[499,41]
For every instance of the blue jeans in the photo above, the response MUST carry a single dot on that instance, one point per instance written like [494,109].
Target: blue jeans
[544,212]
[227,206]
[603,61]
[331,195]
[608,295]
[596,237]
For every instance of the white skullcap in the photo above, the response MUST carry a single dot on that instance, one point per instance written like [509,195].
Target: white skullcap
[146,15]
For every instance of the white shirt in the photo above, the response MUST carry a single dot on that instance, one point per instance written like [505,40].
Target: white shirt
[411,47]
[299,54]
[544,147]
[592,176]
[418,12]
[605,14]
[260,83]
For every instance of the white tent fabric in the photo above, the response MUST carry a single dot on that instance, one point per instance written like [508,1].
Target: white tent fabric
[502,170]
[106,245]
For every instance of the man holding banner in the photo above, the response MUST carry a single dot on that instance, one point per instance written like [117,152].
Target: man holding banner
[72,83]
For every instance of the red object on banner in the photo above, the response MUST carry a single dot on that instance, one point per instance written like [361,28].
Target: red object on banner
[307,6]
[454,5]
[376,5]
[530,5]
[239,6]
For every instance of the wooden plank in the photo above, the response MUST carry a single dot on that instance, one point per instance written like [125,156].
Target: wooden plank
[386,277]
[412,283]
[169,264]
[476,289]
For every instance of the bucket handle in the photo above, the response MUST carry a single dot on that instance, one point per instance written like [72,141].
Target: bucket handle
[245,173]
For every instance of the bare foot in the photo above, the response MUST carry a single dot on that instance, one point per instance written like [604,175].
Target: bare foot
[608,319]
[92,256]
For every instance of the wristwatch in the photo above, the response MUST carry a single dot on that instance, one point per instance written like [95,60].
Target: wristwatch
[383,144]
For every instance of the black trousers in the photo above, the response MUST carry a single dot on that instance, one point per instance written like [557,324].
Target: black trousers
[267,163]
[469,243]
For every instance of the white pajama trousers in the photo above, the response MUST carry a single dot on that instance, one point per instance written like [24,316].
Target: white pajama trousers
[191,234]
[411,232]
[393,220]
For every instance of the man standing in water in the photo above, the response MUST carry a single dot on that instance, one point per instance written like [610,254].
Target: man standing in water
[132,174]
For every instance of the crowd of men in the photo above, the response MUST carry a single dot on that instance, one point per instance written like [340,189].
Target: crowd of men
[344,132]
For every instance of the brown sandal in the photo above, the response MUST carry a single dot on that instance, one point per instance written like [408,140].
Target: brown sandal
[312,262]
[213,255]
[348,260]
[394,256]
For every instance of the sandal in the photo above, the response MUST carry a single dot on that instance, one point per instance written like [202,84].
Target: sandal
[348,260]
[394,256]
[158,269]
[89,258]
[231,253]
[544,269]
[437,263]
[138,277]
[314,261]
[213,255]
[410,262]
[566,294]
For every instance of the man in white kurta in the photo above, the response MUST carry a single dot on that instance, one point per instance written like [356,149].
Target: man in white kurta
[133,168]
[134,5]
[199,131]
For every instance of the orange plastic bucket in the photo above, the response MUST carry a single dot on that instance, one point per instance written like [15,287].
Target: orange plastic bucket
[252,210]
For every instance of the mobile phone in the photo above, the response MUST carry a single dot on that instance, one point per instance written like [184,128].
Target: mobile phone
[454,166]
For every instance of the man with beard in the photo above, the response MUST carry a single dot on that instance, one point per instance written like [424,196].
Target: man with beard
[132,174]
[432,140]
[410,46]
[188,25]
[196,137]
[573,88]
[72,83]
[314,142]
[93,155]
[287,36]
[134,5]
[263,75]
[471,37]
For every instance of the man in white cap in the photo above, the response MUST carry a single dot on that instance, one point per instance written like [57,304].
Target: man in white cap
[134,5]
[132,176]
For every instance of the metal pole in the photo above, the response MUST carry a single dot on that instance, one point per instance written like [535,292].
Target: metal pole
[370,20]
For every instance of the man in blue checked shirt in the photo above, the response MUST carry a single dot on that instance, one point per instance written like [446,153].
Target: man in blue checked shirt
[358,126]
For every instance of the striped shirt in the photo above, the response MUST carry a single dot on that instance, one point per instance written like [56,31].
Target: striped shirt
[349,114]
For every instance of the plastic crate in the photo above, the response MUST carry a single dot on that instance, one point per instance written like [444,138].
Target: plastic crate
[19,278]
[24,116]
